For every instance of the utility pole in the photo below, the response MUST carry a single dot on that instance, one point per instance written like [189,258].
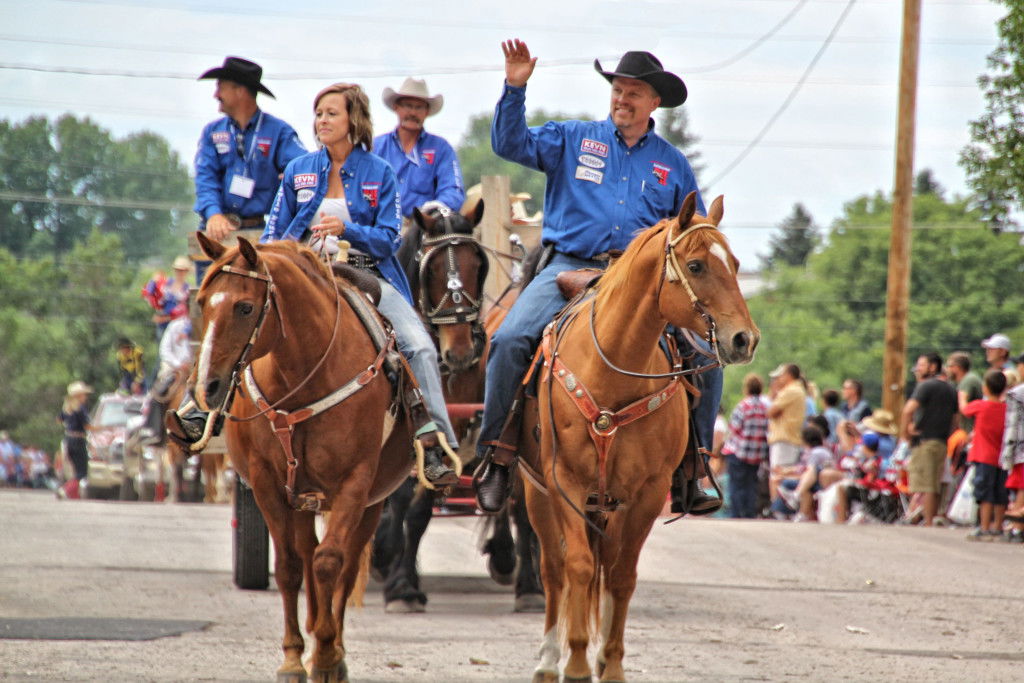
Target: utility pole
[898,289]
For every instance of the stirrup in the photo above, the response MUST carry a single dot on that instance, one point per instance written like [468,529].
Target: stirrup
[421,465]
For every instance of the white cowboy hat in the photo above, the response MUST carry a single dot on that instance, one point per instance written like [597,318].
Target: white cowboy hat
[79,387]
[182,263]
[417,88]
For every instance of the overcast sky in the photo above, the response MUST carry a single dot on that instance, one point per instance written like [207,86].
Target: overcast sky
[834,141]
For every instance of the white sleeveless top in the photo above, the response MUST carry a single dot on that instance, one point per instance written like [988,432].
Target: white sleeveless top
[338,207]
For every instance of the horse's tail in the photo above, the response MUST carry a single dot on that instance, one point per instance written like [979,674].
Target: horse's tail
[358,592]
[592,597]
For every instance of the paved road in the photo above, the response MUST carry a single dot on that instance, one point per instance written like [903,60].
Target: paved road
[718,600]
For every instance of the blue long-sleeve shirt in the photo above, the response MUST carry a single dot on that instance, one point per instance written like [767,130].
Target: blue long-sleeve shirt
[430,171]
[600,192]
[267,145]
[371,198]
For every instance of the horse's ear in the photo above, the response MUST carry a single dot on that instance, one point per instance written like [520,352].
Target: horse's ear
[212,249]
[688,209]
[425,221]
[248,252]
[476,214]
[716,210]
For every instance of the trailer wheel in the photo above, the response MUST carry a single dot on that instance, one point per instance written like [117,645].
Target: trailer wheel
[251,541]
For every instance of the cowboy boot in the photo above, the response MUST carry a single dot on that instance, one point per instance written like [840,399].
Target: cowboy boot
[687,495]
[434,469]
[491,482]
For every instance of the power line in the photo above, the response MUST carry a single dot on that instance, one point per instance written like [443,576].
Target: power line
[95,203]
[789,98]
[754,45]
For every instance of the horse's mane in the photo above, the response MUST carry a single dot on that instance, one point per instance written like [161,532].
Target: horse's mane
[617,276]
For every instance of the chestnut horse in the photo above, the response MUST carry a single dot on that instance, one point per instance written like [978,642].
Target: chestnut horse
[329,438]
[614,421]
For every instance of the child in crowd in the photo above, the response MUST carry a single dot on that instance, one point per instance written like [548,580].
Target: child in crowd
[989,416]
[816,457]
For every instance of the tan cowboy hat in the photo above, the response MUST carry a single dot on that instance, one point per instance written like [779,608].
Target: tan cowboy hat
[880,421]
[78,387]
[417,88]
[182,263]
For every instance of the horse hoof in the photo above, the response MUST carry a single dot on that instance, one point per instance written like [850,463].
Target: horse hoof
[291,677]
[338,674]
[499,578]
[405,607]
[545,677]
[529,602]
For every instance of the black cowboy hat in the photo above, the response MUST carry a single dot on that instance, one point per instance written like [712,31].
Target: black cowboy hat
[241,71]
[646,67]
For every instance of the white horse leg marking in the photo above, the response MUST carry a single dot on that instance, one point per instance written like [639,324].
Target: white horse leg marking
[719,251]
[550,653]
[607,612]
[204,362]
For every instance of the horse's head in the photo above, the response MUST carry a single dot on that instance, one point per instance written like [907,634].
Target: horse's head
[235,299]
[452,270]
[700,290]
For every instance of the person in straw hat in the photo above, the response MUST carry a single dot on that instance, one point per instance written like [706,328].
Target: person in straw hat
[606,180]
[241,156]
[425,164]
[75,418]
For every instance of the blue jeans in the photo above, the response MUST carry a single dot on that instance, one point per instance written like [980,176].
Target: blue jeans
[710,385]
[743,488]
[416,345]
[515,342]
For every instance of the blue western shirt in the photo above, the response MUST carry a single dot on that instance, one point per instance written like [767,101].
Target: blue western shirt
[600,192]
[268,144]
[372,202]
[429,172]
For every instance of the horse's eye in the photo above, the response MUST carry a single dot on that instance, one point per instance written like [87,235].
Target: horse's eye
[244,308]
[695,267]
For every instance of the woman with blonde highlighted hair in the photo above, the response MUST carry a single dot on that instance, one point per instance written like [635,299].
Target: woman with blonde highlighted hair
[343,189]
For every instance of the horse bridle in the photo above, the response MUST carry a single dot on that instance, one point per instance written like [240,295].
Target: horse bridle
[671,272]
[457,305]
[243,359]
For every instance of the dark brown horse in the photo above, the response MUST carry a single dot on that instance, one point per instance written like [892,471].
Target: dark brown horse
[614,420]
[275,315]
[446,268]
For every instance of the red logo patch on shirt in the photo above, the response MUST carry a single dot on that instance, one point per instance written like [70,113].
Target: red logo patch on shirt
[305,180]
[589,146]
[371,191]
[428,156]
[220,136]
[263,145]
[661,172]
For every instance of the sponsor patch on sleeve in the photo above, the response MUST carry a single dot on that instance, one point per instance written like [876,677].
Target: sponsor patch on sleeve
[661,172]
[221,141]
[305,180]
[584,173]
[589,146]
[371,193]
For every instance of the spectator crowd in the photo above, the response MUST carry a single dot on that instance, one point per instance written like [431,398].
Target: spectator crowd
[955,453]
[24,466]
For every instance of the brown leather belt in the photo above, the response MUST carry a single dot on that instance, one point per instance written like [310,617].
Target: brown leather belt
[250,222]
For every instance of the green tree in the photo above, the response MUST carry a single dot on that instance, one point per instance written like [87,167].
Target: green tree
[674,126]
[59,323]
[994,160]
[796,239]
[60,180]
[478,159]
[829,317]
